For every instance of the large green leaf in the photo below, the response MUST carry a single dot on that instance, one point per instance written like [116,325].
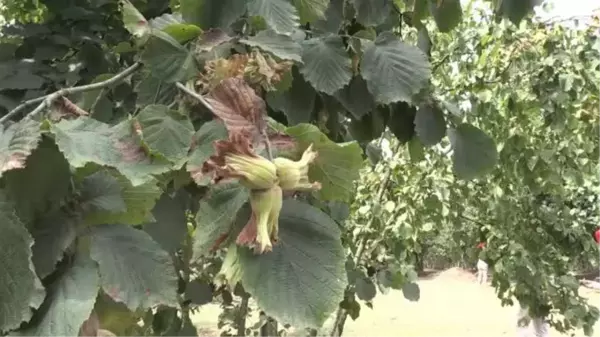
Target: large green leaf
[282,46]
[17,142]
[280,15]
[167,59]
[516,10]
[326,64]
[69,303]
[134,269]
[411,291]
[356,98]
[53,234]
[100,191]
[212,14]
[203,148]
[430,124]
[302,280]
[447,14]
[372,12]
[336,166]
[311,10]
[170,225]
[394,71]
[297,103]
[216,215]
[370,127]
[165,131]
[475,152]
[42,185]
[153,90]
[20,288]
[85,140]
[334,17]
[401,122]
[365,288]
[174,25]
[139,201]
[133,20]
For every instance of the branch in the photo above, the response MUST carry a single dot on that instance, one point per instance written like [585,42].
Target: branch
[195,95]
[47,100]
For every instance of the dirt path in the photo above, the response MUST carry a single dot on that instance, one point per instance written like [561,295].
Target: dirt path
[451,304]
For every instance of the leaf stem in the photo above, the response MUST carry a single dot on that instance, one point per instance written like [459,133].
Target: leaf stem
[47,100]
[267,145]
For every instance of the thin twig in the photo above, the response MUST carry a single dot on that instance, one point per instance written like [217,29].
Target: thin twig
[242,313]
[267,145]
[47,100]
[96,101]
[195,95]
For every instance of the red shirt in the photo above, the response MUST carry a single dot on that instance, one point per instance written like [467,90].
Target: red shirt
[481,245]
[597,236]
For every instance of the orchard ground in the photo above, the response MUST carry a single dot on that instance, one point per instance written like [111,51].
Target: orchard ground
[451,304]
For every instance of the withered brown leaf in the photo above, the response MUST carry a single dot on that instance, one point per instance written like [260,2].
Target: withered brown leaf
[239,107]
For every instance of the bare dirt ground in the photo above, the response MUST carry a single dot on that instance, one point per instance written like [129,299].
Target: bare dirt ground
[451,304]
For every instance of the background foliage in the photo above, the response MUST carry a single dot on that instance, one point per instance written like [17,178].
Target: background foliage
[112,110]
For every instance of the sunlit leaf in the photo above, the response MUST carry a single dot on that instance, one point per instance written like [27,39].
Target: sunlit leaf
[337,165]
[306,267]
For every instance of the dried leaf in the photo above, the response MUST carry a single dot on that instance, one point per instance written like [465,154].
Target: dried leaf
[91,326]
[236,144]
[220,69]
[237,105]
[211,38]
[17,142]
